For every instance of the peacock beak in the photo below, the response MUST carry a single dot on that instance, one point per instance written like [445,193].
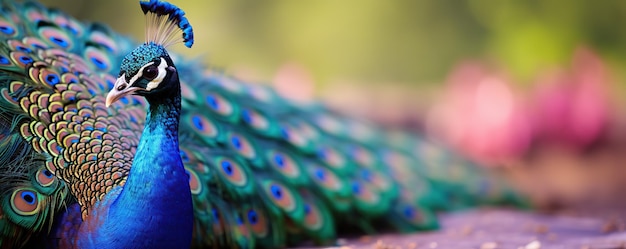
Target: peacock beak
[120,89]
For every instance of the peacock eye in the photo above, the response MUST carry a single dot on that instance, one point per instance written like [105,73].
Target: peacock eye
[150,72]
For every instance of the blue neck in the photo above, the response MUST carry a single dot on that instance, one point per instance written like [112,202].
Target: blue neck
[154,208]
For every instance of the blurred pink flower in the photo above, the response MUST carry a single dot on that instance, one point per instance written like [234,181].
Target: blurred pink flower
[481,114]
[571,108]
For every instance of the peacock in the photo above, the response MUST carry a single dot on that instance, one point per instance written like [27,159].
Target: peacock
[178,156]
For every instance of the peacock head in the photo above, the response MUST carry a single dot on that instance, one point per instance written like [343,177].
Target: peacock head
[148,69]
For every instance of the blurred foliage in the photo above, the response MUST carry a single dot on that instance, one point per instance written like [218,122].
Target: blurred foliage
[366,41]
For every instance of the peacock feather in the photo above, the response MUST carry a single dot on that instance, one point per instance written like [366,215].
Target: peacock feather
[106,143]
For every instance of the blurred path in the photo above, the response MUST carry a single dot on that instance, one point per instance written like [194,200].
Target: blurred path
[500,228]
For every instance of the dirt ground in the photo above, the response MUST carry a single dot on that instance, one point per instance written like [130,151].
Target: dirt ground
[500,228]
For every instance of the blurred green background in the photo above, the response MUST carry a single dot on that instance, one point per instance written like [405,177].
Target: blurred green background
[372,42]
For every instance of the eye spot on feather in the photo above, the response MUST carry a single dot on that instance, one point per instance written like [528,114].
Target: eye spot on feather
[39,46]
[246,116]
[4,61]
[52,79]
[197,122]
[110,83]
[194,181]
[284,164]
[312,217]
[236,142]
[24,60]
[28,197]
[6,29]
[103,40]
[242,145]
[284,132]
[412,214]
[203,126]
[280,161]
[356,188]
[212,102]
[377,179]
[71,29]
[241,226]
[277,192]
[56,37]
[59,41]
[252,217]
[98,58]
[319,173]
[100,64]
[219,105]
[294,136]
[331,157]
[217,222]
[238,220]
[23,49]
[364,193]
[35,43]
[307,209]
[184,156]
[227,167]
[408,212]
[324,177]
[25,202]
[362,156]
[281,196]
[45,178]
[257,223]
[69,78]
[232,171]
[254,119]
[216,214]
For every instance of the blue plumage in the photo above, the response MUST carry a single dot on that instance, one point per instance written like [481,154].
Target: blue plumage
[156,190]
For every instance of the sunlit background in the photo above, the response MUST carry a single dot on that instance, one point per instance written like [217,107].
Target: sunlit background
[502,81]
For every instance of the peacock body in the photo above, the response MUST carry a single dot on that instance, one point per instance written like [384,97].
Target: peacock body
[163,153]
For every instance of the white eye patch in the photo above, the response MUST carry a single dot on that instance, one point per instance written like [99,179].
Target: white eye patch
[157,80]
[162,72]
